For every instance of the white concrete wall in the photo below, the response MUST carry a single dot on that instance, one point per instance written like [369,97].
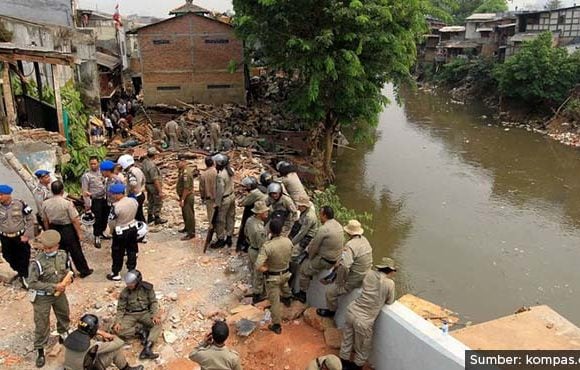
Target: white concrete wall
[405,341]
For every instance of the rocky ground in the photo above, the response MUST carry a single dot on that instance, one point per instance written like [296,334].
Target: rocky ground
[194,289]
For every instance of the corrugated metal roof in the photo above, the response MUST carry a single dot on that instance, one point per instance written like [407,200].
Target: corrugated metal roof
[452,29]
[506,25]
[484,29]
[109,61]
[481,17]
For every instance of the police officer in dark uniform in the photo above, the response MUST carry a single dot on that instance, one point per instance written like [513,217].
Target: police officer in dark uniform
[124,229]
[16,228]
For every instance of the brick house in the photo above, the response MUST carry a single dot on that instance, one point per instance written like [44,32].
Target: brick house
[188,58]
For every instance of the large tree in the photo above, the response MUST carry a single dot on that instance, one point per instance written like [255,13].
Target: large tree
[340,54]
[492,6]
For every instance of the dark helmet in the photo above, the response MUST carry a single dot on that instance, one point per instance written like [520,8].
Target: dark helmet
[281,165]
[274,187]
[133,277]
[221,160]
[266,178]
[89,324]
[250,182]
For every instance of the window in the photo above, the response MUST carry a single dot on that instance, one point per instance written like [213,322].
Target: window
[211,87]
[217,41]
[161,42]
[533,19]
[562,19]
[168,88]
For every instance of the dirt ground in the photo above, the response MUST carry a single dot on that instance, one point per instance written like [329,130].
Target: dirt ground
[193,290]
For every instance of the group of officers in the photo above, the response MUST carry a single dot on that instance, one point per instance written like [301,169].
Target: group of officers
[284,235]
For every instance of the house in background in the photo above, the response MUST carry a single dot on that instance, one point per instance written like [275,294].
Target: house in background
[191,57]
[427,50]
[491,31]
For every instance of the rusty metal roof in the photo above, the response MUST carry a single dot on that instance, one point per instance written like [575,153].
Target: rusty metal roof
[189,7]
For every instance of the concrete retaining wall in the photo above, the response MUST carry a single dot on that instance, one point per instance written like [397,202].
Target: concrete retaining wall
[405,341]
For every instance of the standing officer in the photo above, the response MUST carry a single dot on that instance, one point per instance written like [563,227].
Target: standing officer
[123,226]
[60,214]
[16,228]
[93,187]
[289,178]
[171,129]
[198,133]
[377,290]
[207,181]
[254,195]
[256,233]
[356,261]
[184,189]
[41,192]
[138,306]
[215,133]
[329,362]
[323,251]
[302,233]
[274,261]
[81,347]
[46,275]
[212,353]
[154,186]
[224,201]
[135,180]
[282,207]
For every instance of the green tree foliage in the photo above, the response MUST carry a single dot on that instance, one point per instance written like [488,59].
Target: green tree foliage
[539,72]
[465,9]
[492,6]
[329,197]
[340,54]
[553,4]
[442,9]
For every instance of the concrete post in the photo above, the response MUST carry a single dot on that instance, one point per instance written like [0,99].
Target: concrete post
[56,70]
[8,98]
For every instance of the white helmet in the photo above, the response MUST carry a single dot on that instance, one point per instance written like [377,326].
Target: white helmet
[88,218]
[126,160]
[141,230]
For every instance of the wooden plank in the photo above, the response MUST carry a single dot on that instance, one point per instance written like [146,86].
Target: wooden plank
[57,98]
[8,99]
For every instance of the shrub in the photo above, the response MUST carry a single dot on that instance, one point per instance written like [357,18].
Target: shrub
[329,197]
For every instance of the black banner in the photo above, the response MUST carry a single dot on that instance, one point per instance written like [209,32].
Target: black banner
[522,360]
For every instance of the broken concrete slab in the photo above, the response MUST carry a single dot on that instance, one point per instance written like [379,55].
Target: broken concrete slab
[317,322]
[293,312]
[429,311]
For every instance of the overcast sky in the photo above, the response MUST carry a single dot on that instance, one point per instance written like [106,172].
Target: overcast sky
[161,8]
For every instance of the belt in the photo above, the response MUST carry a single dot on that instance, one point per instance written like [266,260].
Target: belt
[149,183]
[125,228]
[98,198]
[12,235]
[329,261]
[137,311]
[256,249]
[278,273]
[227,195]
[43,293]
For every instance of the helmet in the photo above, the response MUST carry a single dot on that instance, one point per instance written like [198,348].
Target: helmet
[133,277]
[281,165]
[274,188]
[266,178]
[89,324]
[250,182]
[221,160]
[141,230]
[126,160]
[88,218]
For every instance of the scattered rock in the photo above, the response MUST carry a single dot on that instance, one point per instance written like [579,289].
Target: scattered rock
[245,312]
[245,327]
[333,337]
[172,296]
[263,304]
[169,337]
[293,312]
[317,322]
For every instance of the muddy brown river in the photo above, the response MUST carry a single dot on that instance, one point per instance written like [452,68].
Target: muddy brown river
[481,220]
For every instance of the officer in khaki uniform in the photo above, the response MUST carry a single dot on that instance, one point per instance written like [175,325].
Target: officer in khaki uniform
[184,188]
[215,131]
[256,233]
[94,196]
[289,178]
[135,180]
[171,129]
[83,347]
[274,261]
[154,187]
[212,353]
[59,213]
[46,275]
[41,192]
[254,194]
[302,233]
[138,313]
[207,189]
[329,362]
[282,207]
[356,261]
[16,228]
[377,290]
[224,202]
[323,251]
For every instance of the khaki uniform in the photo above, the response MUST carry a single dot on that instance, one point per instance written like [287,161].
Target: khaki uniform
[317,363]
[377,290]
[110,181]
[198,133]
[94,183]
[138,307]
[293,186]
[356,261]
[276,254]
[154,201]
[215,131]
[185,182]
[285,205]
[248,203]
[44,274]
[16,219]
[124,230]
[323,251]
[171,130]
[213,357]
[207,189]
[60,213]
[41,193]
[256,233]
[252,197]
[108,353]
[225,201]
[135,188]
[308,222]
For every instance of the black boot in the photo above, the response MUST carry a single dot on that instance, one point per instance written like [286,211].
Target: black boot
[147,352]
[325,313]
[142,334]
[346,364]
[220,243]
[150,219]
[229,241]
[128,367]
[301,296]
[160,221]
[98,242]
[287,301]
[276,328]
[257,298]
[40,359]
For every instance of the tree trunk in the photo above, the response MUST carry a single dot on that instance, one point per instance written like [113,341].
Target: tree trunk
[329,128]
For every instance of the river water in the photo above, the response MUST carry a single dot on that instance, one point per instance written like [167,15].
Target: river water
[480,219]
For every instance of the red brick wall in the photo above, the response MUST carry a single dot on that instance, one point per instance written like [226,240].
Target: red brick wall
[175,53]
